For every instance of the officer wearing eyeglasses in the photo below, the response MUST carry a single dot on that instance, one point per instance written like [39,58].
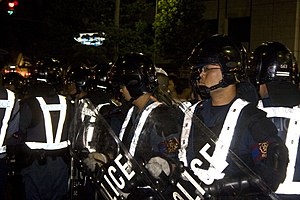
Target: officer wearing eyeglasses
[231,147]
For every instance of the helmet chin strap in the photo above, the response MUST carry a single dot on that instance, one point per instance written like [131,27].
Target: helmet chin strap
[132,99]
[221,84]
[135,98]
[135,93]
[205,91]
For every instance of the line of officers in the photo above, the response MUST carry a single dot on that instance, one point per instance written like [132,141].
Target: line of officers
[116,135]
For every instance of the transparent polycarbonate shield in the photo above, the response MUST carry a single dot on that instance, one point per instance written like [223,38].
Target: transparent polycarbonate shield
[91,135]
[100,156]
[136,163]
[205,160]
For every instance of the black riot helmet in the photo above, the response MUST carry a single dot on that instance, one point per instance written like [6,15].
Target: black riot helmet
[135,71]
[82,77]
[14,82]
[48,71]
[272,61]
[100,77]
[220,50]
[273,64]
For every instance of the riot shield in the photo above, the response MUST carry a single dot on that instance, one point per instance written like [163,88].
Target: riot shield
[119,172]
[195,176]
[100,157]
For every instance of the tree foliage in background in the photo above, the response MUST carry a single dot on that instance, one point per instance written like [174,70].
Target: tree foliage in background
[178,28]
[65,19]
[47,28]
[136,32]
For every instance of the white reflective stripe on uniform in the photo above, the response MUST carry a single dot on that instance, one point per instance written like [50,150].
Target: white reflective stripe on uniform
[90,130]
[125,123]
[218,159]
[140,126]
[291,142]
[184,105]
[46,108]
[185,133]
[286,112]
[62,118]
[3,149]
[98,108]
[89,135]
[47,146]
[83,110]
[88,111]
[8,105]
[225,137]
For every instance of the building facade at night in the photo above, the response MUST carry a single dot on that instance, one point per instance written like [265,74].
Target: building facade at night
[255,21]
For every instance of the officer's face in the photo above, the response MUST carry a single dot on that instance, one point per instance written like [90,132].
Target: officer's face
[125,92]
[210,75]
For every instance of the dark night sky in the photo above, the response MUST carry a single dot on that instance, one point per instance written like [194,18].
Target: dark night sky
[21,28]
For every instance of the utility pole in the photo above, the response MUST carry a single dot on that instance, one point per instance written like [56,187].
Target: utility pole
[154,53]
[117,25]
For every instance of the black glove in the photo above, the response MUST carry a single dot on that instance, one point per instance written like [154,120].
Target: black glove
[231,187]
[278,160]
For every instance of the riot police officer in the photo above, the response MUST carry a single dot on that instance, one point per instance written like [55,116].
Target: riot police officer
[161,92]
[275,73]
[151,128]
[94,103]
[9,114]
[93,91]
[246,157]
[134,73]
[15,82]
[44,122]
